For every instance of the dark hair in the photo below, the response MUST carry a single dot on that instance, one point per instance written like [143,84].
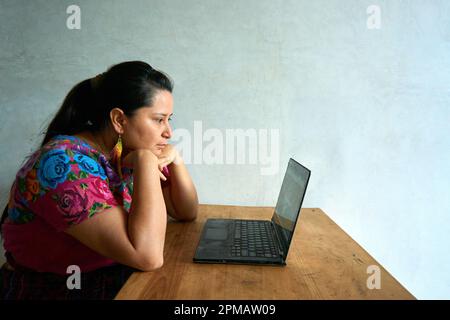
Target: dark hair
[128,85]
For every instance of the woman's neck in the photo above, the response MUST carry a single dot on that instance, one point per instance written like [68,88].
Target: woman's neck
[99,141]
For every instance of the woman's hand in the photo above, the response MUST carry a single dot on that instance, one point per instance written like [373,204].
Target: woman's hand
[145,155]
[168,155]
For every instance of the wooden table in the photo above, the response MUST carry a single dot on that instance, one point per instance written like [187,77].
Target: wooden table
[323,263]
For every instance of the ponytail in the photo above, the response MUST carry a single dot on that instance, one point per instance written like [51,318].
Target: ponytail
[73,116]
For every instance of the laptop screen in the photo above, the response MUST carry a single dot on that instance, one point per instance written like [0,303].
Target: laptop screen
[289,202]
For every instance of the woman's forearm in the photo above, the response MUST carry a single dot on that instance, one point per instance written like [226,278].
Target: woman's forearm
[147,219]
[183,192]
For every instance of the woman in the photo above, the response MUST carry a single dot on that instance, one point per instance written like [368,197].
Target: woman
[95,196]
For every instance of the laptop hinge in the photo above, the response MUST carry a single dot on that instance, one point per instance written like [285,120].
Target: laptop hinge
[280,252]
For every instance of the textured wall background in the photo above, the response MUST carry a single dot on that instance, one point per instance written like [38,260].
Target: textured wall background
[366,110]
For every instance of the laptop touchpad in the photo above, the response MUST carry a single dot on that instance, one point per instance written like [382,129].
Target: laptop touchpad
[216,234]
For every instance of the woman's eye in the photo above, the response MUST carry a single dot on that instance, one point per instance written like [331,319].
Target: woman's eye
[161,120]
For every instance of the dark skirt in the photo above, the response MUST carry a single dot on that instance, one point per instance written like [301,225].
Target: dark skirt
[100,284]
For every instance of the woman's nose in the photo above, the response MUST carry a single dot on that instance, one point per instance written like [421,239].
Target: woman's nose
[167,132]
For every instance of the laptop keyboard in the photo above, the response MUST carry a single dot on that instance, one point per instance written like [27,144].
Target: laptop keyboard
[253,239]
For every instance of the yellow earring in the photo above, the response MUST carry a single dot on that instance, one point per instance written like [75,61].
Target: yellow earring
[117,155]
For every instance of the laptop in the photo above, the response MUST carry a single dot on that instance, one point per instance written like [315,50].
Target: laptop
[257,241]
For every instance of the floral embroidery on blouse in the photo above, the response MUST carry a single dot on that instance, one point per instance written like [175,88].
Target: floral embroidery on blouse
[65,182]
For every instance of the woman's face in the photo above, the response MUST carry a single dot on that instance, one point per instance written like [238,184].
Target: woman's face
[149,127]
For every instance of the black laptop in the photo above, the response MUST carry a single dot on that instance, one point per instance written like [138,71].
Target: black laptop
[257,241]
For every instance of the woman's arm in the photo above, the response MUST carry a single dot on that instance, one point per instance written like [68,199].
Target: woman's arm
[135,239]
[180,195]
[146,224]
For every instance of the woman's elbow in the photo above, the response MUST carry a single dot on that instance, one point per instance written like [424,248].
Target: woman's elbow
[190,215]
[151,264]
